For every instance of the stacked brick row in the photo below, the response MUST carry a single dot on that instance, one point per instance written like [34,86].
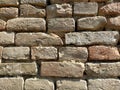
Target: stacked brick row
[59,44]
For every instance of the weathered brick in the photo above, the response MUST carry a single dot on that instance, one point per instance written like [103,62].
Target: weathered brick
[104,84]
[103,53]
[99,1]
[44,53]
[62,69]
[71,85]
[27,10]
[16,69]
[61,25]
[59,10]
[85,9]
[92,38]
[16,53]
[2,25]
[35,2]
[113,23]
[66,1]
[11,83]
[91,23]
[39,84]
[103,69]
[9,3]
[79,54]
[112,9]
[26,24]
[6,38]
[8,13]
[34,39]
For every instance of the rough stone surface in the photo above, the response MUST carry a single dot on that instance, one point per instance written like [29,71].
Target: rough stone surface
[85,9]
[2,25]
[35,2]
[79,54]
[16,53]
[8,13]
[38,84]
[112,9]
[61,25]
[6,38]
[103,53]
[104,84]
[11,83]
[44,53]
[59,10]
[99,1]
[1,51]
[34,39]
[27,10]
[9,3]
[103,69]
[93,38]
[113,23]
[26,24]
[16,69]
[62,69]
[92,23]
[71,85]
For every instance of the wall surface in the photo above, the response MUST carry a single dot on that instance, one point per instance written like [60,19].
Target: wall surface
[59,45]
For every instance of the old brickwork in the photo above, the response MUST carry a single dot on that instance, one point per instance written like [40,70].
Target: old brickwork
[59,45]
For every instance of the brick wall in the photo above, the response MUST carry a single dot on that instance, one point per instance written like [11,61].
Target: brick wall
[59,45]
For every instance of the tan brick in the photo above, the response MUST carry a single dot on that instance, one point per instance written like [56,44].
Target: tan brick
[8,13]
[11,83]
[59,10]
[2,25]
[9,3]
[85,9]
[103,53]
[27,10]
[16,69]
[104,84]
[62,69]
[44,53]
[38,84]
[71,85]
[6,38]
[26,24]
[103,69]
[35,39]
[16,53]
[79,54]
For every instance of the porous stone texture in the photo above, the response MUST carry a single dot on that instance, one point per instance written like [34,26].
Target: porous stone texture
[61,25]
[91,23]
[104,84]
[112,9]
[59,10]
[92,38]
[103,69]
[99,1]
[39,84]
[71,85]
[17,69]
[103,53]
[62,69]
[11,83]
[113,23]
[8,3]
[26,24]
[27,10]
[85,9]
[35,2]
[1,51]
[44,53]
[8,13]
[16,53]
[79,54]
[6,38]
[35,39]
[2,25]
